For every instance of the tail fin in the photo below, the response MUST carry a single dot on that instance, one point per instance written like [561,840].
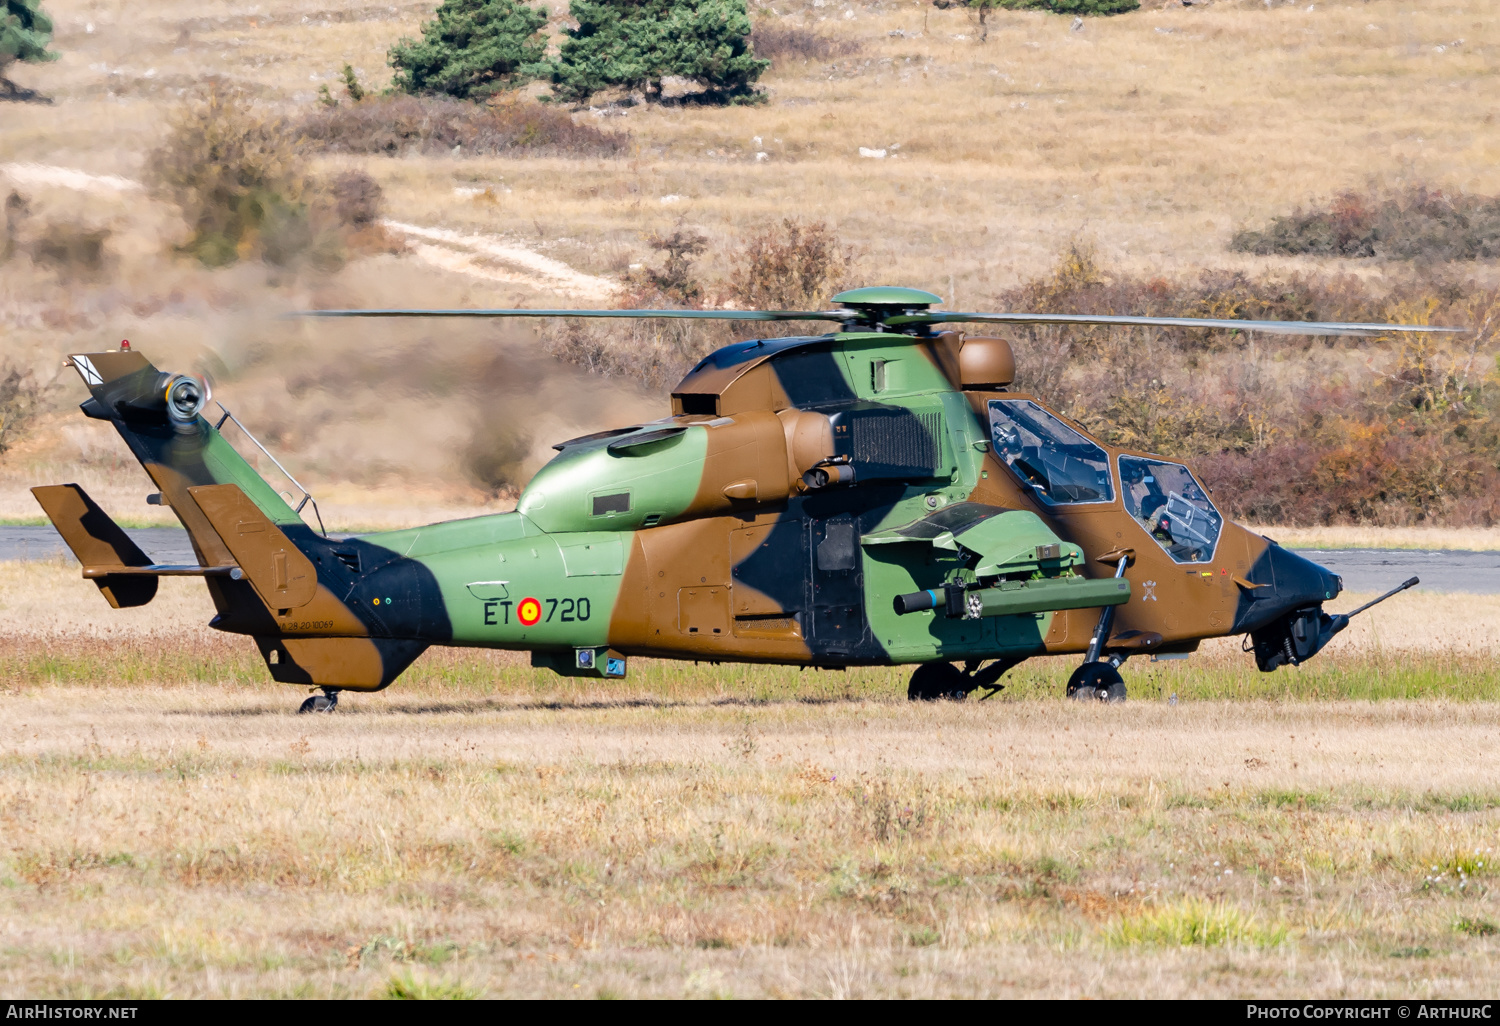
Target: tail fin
[240,528]
[283,576]
[160,416]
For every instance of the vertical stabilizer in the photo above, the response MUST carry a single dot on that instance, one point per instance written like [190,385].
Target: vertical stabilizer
[160,417]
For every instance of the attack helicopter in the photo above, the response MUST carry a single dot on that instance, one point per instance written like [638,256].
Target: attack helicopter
[875,495]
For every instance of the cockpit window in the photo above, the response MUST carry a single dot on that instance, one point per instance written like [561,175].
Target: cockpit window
[1172,507]
[1060,465]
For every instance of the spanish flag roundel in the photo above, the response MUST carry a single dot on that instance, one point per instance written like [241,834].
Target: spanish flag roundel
[529,612]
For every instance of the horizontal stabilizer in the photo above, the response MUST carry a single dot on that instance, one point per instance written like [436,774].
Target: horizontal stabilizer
[110,559]
[94,538]
[164,570]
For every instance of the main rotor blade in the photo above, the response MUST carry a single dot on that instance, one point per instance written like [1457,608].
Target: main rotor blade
[686,315]
[1268,327]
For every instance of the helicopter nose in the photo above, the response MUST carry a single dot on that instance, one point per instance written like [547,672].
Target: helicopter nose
[1287,582]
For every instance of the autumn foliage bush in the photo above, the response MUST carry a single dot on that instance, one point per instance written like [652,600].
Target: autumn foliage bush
[242,181]
[789,264]
[1416,223]
[1286,429]
[398,124]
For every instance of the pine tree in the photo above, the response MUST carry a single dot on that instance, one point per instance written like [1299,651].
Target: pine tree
[473,49]
[1075,7]
[637,43]
[24,34]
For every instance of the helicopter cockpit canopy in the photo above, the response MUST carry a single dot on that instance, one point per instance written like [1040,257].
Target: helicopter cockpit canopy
[1172,508]
[1059,465]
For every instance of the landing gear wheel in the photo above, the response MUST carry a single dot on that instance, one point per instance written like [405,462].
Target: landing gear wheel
[1097,682]
[326,702]
[933,681]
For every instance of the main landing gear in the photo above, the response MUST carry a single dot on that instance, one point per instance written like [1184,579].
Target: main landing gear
[933,681]
[1099,680]
[326,702]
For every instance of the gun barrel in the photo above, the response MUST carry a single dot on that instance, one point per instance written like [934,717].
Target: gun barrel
[918,601]
[1410,582]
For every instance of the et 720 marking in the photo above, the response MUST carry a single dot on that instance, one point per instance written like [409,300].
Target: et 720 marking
[568,610]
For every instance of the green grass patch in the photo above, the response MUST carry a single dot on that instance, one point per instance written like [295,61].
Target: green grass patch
[1474,926]
[408,988]
[1282,798]
[464,675]
[1353,677]
[1194,923]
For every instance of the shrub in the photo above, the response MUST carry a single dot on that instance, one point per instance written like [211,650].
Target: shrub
[246,192]
[25,34]
[673,283]
[634,44]
[793,265]
[655,352]
[788,264]
[1475,926]
[399,124]
[356,198]
[777,42]
[1086,7]
[21,399]
[472,49]
[16,209]
[69,247]
[1417,224]
[1408,433]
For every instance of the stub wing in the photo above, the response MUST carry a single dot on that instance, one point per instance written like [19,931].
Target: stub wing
[1005,541]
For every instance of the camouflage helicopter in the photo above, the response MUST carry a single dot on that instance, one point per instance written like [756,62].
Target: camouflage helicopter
[876,495]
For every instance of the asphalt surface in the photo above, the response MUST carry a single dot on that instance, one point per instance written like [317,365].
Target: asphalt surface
[1362,569]
[1474,573]
[162,544]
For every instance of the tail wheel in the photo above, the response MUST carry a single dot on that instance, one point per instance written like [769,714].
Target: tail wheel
[326,702]
[933,681]
[1096,682]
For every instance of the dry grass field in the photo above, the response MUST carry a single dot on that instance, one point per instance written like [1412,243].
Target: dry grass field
[171,828]
[1157,132]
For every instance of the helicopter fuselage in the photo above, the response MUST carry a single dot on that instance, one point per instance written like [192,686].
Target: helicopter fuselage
[798,488]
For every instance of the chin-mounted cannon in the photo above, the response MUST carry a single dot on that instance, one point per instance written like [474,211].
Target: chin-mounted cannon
[1298,636]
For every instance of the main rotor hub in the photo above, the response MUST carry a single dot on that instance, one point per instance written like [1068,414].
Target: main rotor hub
[873,306]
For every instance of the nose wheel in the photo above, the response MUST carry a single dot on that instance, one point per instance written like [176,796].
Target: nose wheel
[1096,682]
[325,702]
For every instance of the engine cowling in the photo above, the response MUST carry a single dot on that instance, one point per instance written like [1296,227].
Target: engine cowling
[676,470]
